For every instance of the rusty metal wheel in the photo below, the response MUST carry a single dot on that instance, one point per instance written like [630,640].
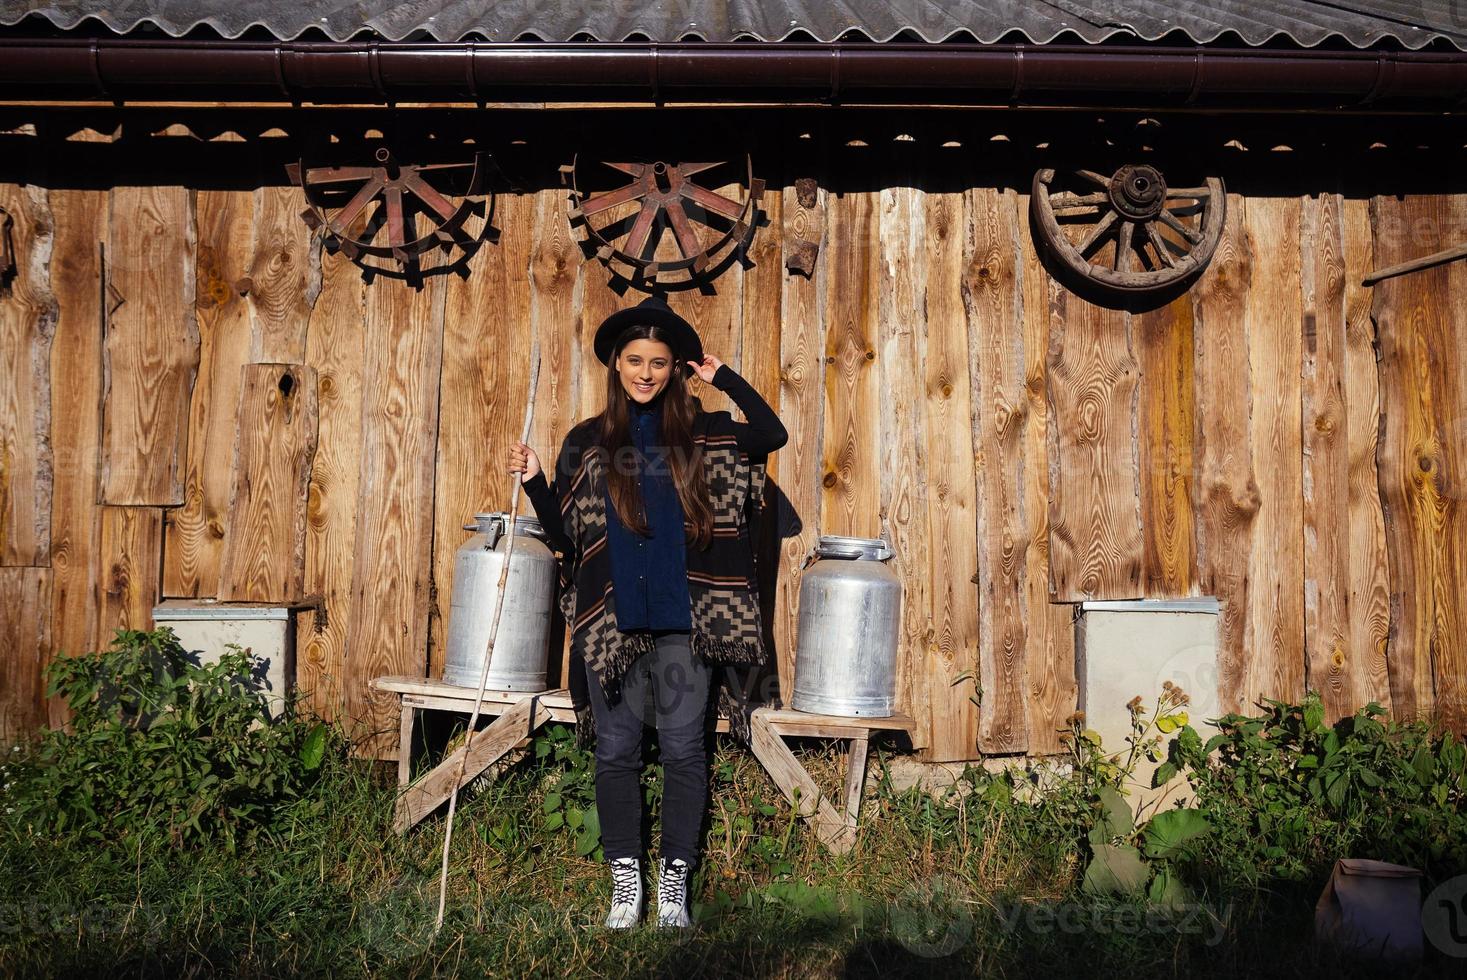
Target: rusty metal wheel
[433,196]
[1128,234]
[623,226]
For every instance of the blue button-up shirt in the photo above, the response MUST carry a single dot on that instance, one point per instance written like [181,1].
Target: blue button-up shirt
[650,575]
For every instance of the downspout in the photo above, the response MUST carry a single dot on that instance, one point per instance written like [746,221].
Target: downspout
[121,70]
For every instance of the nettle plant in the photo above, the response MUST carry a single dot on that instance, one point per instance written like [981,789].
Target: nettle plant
[1289,793]
[1131,856]
[160,745]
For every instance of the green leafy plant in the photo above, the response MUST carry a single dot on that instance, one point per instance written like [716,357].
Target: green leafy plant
[1127,857]
[1288,793]
[159,745]
[569,805]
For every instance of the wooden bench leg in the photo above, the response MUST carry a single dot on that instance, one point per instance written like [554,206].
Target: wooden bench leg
[799,788]
[855,778]
[405,746]
[489,746]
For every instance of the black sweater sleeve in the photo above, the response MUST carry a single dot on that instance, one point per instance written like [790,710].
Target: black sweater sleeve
[545,498]
[763,433]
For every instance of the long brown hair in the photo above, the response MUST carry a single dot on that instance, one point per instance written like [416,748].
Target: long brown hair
[683,457]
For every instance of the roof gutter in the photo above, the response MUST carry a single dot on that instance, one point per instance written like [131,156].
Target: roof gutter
[122,70]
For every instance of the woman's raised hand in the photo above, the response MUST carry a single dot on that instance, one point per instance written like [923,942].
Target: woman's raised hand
[522,459]
[706,368]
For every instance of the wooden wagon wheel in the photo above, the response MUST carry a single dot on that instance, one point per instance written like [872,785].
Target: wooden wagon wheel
[1129,233]
[665,197]
[404,193]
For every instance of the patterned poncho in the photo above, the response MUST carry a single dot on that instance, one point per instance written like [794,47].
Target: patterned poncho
[727,628]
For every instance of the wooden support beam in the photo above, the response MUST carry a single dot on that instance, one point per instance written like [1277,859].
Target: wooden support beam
[488,746]
[798,787]
[856,777]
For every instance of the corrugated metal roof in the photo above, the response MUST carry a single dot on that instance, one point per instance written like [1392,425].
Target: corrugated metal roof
[1308,23]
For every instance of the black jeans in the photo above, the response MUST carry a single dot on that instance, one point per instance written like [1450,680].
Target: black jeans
[676,682]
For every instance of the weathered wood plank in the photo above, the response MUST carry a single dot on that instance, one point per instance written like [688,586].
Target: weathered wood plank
[1369,599]
[264,548]
[130,558]
[394,536]
[1227,491]
[1326,462]
[554,312]
[284,278]
[28,314]
[335,349]
[1421,455]
[194,533]
[76,422]
[852,457]
[567,293]
[594,300]
[1095,540]
[152,345]
[1167,410]
[1053,691]
[903,299]
[761,332]
[718,317]
[1449,659]
[25,637]
[483,395]
[1276,561]
[991,296]
[802,384]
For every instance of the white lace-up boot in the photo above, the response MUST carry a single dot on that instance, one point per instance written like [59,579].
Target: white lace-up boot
[672,894]
[626,893]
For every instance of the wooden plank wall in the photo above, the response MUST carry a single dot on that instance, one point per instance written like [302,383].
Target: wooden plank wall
[1021,448]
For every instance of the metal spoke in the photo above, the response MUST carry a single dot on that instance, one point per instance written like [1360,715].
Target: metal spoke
[396,229]
[624,193]
[712,201]
[425,193]
[635,169]
[348,214]
[339,175]
[637,240]
[688,169]
[686,239]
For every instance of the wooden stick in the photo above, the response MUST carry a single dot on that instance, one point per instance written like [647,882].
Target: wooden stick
[1417,264]
[514,508]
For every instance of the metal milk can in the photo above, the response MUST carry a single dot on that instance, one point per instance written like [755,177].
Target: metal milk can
[850,614]
[522,646]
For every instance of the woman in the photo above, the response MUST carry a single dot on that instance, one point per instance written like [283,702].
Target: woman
[648,507]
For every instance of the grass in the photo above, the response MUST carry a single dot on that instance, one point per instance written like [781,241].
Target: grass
[965,886]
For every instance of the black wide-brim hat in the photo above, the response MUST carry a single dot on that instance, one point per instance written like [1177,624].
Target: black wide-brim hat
[653,311]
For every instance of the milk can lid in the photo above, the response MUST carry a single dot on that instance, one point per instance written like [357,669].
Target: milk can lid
[861,549]
[522,525]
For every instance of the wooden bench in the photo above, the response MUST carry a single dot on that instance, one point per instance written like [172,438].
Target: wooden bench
[517,715]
